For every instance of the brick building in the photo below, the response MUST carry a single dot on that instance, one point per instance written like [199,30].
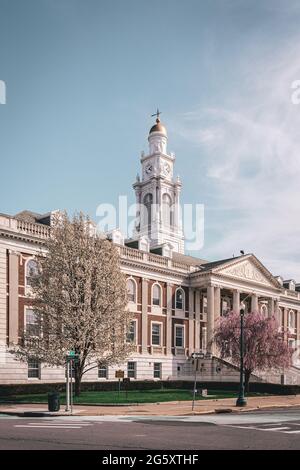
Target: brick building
[176,299]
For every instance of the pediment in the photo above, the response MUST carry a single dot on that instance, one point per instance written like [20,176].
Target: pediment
[250,270]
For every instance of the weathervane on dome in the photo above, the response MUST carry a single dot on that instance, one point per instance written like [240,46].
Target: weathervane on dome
[158,112]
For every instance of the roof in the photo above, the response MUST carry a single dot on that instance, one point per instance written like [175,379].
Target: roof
[34,217]
[186,259]
[28,216]
[158,127]
[214,264]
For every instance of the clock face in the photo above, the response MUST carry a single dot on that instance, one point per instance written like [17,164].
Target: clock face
[149,169]
[167,168]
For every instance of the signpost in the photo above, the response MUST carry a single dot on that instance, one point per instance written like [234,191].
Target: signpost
[71,359]
[197,368]
[119,374]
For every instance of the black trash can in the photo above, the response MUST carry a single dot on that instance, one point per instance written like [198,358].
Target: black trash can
[53,401]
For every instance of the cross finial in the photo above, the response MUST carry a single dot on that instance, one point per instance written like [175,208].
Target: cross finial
[157,115]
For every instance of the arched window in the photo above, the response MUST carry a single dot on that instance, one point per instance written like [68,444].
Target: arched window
[167,210]
[31,271]
[156,295]
[148,201]
[291,319]
[264,310]
[131,289]
[179,299]
[280,317]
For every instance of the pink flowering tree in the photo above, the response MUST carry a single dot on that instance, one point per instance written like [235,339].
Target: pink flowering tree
[264,347]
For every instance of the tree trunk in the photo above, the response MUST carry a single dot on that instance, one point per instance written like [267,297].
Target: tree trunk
[78,378]
[77,385]
[247,379]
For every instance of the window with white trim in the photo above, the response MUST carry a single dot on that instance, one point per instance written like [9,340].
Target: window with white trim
[31,322]
[131,370]
[204,305]
[156,334]
[33,369]
[131,290]
[131,335]
[179,336]
[179,299]
[292,323]
[156,295]
[157,368]
[102,371]
[31,271]
[264,310]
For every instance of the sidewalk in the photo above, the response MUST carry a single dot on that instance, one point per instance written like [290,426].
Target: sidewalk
[175,408]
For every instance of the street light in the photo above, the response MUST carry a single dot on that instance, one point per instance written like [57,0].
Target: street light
[242,401]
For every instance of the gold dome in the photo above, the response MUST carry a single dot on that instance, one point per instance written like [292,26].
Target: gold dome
[158,127]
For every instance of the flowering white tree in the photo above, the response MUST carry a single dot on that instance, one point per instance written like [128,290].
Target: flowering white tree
[80,298]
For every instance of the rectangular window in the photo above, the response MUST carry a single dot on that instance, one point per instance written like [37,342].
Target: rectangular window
[102,371]
[179,336]
[157,370]
[32,327]
[131,370]
[33,369]
[204,305]
[131,335]
[156,334]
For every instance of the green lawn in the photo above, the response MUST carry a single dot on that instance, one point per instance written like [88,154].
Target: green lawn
[133,396]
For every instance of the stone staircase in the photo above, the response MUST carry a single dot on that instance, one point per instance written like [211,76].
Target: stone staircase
[213,369]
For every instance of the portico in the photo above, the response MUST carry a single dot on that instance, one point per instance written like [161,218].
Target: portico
[224,285]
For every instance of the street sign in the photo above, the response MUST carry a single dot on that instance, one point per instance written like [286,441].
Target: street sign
[119,374]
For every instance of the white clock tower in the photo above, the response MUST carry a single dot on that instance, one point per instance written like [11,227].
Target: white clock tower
[157,195]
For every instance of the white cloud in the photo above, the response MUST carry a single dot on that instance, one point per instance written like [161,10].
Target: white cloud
[254,163]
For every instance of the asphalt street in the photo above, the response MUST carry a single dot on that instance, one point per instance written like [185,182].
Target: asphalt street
[272,429]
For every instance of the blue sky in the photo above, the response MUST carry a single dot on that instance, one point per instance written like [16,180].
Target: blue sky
[83,78]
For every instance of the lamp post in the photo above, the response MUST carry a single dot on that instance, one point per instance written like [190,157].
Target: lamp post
[241,401]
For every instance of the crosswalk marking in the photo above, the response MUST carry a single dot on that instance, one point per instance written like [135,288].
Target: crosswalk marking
[47,427]
[284,427]
[63,424]
[274,429]
[54,423]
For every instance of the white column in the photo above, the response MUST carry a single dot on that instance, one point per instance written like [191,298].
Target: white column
[210,316]
[276,310]
[144,315]
[13,305]
[236,301]
[217,313]
[217,304]
[285,322]
[197,322]
[169,319]
[191,321]
[254,303]
[3,298]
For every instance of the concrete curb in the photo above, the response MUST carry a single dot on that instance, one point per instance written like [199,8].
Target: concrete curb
[40,414]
